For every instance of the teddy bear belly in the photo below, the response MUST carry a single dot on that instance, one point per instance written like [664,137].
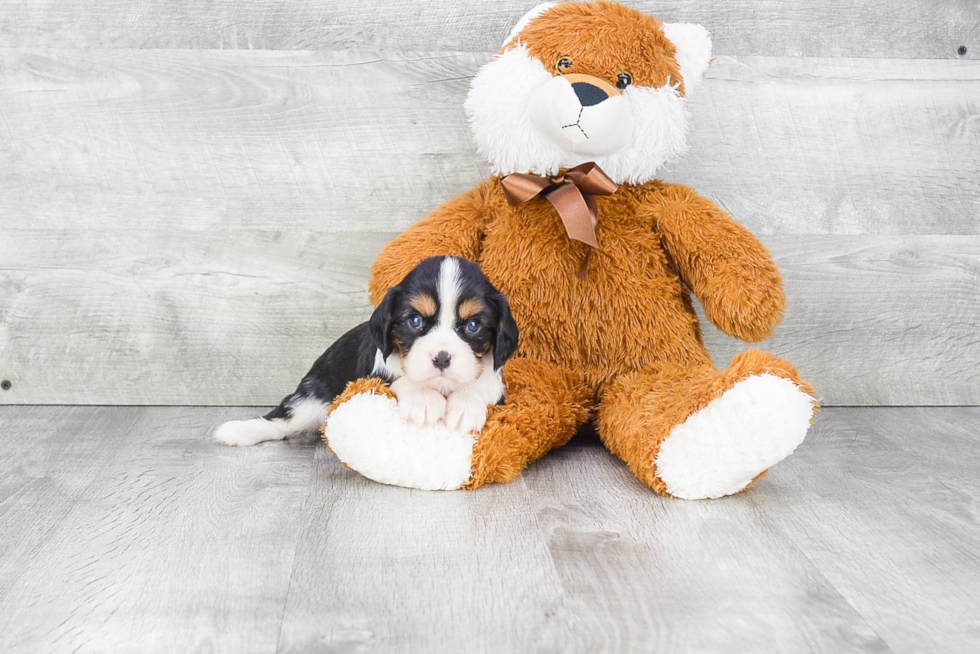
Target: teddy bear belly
[631,312]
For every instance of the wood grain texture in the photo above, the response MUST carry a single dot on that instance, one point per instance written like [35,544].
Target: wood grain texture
[174,544]
[884,504]
[233,140]
[125,529]
[360,141]
[161,317]
[386,569]
[875,320]
[173,317]
[675,576]
[50,458]
[834,28]
[195,227]
[839,146]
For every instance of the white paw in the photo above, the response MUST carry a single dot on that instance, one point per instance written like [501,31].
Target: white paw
[425,407]
[241,433]
[369,436]
[751,427]
[465,414]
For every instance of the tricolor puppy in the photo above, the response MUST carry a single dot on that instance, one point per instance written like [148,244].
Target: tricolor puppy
[440,338]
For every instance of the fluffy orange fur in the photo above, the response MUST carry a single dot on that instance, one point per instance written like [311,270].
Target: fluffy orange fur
[545,406]
[631,43]
[625,344]
[629,331]
[656,399]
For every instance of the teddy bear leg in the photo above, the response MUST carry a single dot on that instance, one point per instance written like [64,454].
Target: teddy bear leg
[694,432]
[544,407]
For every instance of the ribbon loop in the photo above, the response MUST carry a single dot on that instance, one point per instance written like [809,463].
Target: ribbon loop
[573,196]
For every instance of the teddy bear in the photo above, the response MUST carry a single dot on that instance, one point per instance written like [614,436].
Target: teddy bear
[582,106]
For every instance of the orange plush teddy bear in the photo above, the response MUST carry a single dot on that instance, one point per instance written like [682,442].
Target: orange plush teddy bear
[578,111]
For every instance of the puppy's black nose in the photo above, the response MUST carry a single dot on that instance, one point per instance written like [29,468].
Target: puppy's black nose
[441,360]
[589,94]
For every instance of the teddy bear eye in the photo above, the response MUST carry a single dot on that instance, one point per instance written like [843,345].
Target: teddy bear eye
[623,80]
[563,64]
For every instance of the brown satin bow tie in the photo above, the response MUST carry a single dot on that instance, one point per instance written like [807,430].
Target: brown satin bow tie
[573,196]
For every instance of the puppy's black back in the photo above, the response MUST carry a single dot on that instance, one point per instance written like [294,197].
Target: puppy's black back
[351,357]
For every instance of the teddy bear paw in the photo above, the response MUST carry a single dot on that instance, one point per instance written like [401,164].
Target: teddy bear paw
[368,434]
[720,449]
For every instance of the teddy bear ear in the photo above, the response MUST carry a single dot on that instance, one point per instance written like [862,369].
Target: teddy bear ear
[527,18]
[693,45]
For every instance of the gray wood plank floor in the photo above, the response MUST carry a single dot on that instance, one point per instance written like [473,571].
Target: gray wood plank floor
[125,529]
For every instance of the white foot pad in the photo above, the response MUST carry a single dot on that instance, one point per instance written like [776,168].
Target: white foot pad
[367,434]
[720,449]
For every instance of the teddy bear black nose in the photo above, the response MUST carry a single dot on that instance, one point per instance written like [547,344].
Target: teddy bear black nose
[588,94]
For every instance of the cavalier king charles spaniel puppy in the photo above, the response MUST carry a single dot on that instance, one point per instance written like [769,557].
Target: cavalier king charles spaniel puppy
[439,338]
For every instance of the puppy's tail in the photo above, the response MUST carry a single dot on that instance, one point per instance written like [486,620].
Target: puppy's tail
[294,415]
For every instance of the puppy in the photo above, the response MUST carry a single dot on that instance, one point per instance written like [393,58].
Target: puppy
[440,338]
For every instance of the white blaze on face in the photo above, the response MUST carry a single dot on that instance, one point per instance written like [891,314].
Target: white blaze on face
[464,367]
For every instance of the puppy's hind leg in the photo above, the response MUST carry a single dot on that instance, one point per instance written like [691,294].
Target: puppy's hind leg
[296,414]
[351,357]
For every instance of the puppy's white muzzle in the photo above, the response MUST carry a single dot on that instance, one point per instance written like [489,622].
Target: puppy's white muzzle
[582,115]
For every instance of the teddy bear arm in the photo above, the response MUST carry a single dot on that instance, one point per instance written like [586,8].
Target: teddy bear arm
[454,228]
[725,265]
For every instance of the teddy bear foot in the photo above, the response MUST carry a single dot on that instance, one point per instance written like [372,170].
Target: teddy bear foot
[367,434]
[545,406]
[724,447]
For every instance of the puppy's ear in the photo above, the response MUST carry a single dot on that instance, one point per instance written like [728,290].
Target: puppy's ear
[507,334]
[381,319]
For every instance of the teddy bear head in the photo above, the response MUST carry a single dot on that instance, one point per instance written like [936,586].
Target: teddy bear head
[588,81]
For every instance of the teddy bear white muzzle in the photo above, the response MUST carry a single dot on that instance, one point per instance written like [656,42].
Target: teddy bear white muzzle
[582,115]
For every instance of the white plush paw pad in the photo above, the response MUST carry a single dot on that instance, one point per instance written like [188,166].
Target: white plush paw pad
[720,449]
[367,434]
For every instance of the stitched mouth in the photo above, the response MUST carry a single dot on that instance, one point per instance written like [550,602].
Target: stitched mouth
[576,123]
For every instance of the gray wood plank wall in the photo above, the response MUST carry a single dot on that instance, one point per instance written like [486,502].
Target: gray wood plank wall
[809,28]
[190,197]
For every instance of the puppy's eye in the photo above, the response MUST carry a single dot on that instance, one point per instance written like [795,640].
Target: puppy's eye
[415,321]
[624,80]
[473,326]
[563,64]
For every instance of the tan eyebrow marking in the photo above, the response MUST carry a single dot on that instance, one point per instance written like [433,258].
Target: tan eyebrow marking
[424,304]
[470,308]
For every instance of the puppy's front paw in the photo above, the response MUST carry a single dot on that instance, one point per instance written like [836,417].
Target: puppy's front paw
[426,407]
[465,414]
